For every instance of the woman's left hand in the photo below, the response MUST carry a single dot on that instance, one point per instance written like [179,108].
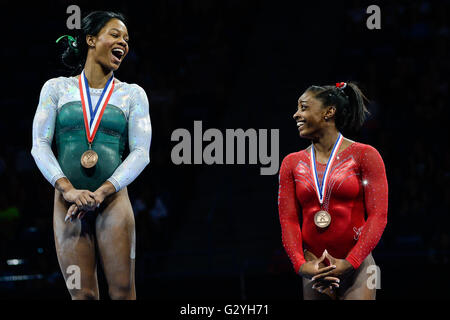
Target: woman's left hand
[342,270]
[74,211]
[100,194]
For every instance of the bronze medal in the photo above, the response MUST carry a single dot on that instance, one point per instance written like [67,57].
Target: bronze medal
[322,219]
[89,159]
[92,117]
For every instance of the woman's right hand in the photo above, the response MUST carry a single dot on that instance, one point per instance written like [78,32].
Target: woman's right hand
[313,267]
[83,199]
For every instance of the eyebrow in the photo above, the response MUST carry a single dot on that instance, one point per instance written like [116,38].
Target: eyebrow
[119,31]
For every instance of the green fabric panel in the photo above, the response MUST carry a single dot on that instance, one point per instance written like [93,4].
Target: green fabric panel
[71,143]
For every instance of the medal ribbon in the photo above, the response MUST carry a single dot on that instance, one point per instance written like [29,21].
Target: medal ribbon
[92,117]
[321,188]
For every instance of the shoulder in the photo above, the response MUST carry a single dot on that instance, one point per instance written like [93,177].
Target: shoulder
[294,157]
[362,147]
[58,84]
[55,82]
[133,88]
[53,88]
[366,152]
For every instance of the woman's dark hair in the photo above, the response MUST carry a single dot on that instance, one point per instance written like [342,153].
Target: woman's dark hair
[75,54]
[351,111]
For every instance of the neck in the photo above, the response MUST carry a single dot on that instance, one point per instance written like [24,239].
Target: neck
[96,75]
[324,141]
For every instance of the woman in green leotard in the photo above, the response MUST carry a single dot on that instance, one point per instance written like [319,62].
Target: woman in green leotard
[94,112]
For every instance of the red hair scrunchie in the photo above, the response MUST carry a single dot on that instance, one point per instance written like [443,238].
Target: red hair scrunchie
[341,85]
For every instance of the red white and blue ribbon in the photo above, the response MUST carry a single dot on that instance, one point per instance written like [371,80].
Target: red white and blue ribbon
[92,117]
[321,188]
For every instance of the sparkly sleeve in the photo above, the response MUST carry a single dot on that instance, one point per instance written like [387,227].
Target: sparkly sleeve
[373,177]
[43,130]
[139,139]
[288,210]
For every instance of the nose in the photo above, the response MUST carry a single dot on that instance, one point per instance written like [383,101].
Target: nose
[123,43]
[296,115]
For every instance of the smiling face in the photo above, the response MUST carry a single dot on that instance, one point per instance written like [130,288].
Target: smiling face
[310,115]
[110,46]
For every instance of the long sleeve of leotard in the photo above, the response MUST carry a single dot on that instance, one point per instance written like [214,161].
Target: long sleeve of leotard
[374,182]
[43,130]
[139,139]
[288,210]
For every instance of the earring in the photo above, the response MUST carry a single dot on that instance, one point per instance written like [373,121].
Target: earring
[326,118]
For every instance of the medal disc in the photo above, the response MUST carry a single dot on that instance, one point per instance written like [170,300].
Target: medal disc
[322,219]
[92,116]
[89,159]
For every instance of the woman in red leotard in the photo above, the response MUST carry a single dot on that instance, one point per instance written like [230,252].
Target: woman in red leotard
[333,197]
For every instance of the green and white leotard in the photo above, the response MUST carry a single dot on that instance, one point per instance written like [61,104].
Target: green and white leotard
[126,119]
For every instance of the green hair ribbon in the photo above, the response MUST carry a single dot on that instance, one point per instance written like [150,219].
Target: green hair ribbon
[71,40]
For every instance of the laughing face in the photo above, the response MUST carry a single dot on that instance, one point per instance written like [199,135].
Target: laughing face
[110,46]
[310,115]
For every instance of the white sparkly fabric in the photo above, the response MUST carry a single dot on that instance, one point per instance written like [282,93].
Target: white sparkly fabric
[130,98]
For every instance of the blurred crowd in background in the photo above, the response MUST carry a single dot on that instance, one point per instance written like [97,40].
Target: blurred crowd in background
[193,58]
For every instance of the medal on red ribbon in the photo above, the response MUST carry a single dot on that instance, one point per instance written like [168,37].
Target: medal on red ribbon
[92,117]
[322,218]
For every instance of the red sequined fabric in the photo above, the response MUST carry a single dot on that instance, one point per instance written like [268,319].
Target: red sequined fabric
[356,198]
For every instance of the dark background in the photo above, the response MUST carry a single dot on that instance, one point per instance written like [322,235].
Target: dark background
[212,232]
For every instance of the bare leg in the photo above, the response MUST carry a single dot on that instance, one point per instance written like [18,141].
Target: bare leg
[75,245]
[356,286]
[115,229]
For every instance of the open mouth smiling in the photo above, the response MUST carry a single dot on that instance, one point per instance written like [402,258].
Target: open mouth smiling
[118,53]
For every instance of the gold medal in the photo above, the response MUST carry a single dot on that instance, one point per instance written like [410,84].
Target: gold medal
[89,159]
[322,219]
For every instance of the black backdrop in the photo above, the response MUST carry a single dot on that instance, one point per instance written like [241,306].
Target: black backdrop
[213,231]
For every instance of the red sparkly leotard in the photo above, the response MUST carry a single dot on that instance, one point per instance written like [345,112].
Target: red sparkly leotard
[357,186]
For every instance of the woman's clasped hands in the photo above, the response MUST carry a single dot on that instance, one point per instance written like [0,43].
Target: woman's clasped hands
[82,201]
[326,279]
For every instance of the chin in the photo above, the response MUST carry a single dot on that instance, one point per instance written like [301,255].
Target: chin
[303,134]
[110,65]
[114,67]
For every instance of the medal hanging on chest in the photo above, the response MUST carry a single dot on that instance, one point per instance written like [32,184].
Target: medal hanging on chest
[92,117]
[322,218]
